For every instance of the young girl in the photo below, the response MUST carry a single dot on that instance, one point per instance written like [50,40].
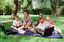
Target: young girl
[40,17]
[47,20]
[51,23]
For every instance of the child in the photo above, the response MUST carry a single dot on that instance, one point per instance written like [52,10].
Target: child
[31,27]
[40,17]
[17,24]
[47,20]
[51,23]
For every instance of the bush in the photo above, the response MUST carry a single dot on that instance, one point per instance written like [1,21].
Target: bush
[28,10]
[8,9]
[43,10]
[1,12]
[63,12]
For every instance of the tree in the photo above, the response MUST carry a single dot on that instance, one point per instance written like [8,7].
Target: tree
[14,9]
[58,10]
[30,5]
[53,9]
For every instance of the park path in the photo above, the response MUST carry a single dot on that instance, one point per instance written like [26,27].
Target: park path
[5,20]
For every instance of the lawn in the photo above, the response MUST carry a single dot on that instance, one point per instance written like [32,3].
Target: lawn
[59,22]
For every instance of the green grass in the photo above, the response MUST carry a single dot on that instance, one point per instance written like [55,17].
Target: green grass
[59,22]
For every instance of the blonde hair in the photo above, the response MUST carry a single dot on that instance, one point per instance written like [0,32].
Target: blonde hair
[51,20]
[47,17]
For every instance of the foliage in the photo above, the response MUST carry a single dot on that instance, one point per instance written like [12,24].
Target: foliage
[8,9]
[6,6]
[1,6]
[25,4]
[43,10]
[45,7]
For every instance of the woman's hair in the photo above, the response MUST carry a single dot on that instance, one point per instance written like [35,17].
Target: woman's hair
[26,12]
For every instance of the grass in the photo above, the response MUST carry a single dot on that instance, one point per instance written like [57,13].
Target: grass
[59,22]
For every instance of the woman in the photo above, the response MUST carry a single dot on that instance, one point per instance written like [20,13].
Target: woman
[26,19]
[41,25]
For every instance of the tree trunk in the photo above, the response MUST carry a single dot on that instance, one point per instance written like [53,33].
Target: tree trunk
[14,9]
[60,11]
[57,8]
[30,8]
[53,11]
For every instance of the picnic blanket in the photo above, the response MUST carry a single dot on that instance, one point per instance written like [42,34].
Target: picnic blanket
[29,33]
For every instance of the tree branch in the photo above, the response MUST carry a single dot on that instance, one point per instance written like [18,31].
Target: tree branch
[61,9]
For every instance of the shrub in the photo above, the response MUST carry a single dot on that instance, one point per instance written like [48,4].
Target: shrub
[43,10]
[1,12]
[8,9]
[63,12]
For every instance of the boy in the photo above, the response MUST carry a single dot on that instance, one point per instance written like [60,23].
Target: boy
[17,24]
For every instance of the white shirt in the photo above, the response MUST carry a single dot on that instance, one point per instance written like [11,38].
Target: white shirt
[14,22]
[41,26]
